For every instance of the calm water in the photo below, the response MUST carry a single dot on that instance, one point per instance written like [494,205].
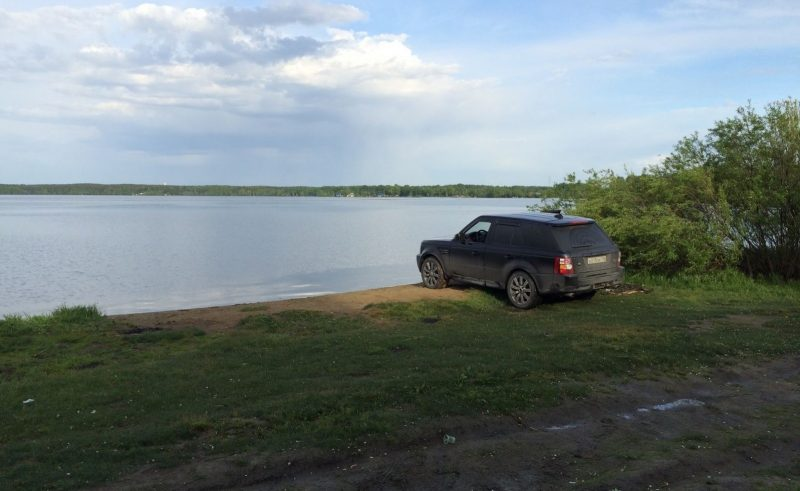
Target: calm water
[136,254]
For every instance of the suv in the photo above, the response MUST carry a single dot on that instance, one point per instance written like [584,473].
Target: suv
[530,255]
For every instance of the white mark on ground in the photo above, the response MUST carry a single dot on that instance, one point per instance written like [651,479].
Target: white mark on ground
[562,427]
[669,406]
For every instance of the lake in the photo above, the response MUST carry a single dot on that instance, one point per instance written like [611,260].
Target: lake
[138,254]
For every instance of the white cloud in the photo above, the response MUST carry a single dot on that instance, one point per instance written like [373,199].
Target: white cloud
[199,85]
[685,31]
[297,12]
[381,64]
[165,55]
[715,10]
[151,17]
[291,93]
[102,54]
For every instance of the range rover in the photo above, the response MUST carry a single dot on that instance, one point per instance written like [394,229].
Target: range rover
[530,255]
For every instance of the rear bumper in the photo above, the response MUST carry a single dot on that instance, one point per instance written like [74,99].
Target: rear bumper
[586,282]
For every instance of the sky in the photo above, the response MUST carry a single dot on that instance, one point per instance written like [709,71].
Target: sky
[307,92]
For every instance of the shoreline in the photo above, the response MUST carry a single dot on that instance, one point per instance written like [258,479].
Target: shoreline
[227,316]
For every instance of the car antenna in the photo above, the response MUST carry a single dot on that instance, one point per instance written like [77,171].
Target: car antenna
[557,213]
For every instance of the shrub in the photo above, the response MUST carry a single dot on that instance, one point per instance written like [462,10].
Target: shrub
[666,220]
[726,199]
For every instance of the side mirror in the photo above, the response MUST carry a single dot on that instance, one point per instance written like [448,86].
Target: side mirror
[459,237]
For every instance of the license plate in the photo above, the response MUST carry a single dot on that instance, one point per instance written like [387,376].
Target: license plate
[596,260]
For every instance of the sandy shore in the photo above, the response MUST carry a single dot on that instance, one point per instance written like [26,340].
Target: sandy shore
[225,317]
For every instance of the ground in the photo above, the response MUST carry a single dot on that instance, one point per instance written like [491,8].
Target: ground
[730,427]
[216,318]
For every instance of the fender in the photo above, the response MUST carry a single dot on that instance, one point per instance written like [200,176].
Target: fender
[520,264]
[435,251]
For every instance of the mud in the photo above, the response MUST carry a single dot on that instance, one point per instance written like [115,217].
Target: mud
[735,427]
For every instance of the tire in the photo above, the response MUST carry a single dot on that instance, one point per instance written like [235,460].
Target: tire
[432,273]
[522,291]
[585,295]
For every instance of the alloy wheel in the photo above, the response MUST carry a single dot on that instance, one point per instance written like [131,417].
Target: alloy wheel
[431,273]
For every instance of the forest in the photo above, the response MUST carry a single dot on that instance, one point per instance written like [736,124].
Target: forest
[361,191]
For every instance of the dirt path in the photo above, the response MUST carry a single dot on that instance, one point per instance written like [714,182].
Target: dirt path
[732,428]
[216,318]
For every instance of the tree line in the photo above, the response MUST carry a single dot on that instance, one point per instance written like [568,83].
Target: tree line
[392,190]
[728,199]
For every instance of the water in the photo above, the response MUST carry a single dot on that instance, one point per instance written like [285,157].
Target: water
[137,254]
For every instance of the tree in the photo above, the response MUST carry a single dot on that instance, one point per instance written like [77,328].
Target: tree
[730,197]
[754,160]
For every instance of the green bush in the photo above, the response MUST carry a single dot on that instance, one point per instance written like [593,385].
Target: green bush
[730,198]
[666,220]
[78,316]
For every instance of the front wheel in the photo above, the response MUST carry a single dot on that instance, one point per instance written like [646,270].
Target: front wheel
[432,273]
[521,291]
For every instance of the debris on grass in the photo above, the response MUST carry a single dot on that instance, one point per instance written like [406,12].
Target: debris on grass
[626,289]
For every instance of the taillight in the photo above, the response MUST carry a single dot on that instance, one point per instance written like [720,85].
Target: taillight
[563,265]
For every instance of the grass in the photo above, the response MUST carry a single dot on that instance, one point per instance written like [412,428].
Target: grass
[108,400]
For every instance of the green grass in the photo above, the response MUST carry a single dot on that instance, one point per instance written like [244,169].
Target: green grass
[108,401]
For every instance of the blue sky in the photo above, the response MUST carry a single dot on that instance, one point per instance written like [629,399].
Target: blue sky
[304,92]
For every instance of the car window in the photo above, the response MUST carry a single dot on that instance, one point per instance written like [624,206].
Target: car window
[539,237]
[578,236]
[507,235]
[478,232]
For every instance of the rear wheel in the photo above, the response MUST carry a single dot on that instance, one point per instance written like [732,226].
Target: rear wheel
[521,290]
[432,273]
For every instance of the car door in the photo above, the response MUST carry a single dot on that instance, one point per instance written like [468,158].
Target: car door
[502,246]
[466,253]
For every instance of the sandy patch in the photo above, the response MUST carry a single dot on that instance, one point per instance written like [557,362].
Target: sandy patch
[217,318]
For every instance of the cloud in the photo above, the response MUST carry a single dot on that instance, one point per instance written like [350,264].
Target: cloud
[161,19]
[304,92]
[710,11]
[283,12]
[102,54]
[164,55]
[678,32]
[200,85]
[381,64]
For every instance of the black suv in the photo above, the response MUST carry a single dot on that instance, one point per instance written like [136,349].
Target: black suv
[527,254]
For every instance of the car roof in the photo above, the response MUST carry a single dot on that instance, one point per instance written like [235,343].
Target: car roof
[554,219]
